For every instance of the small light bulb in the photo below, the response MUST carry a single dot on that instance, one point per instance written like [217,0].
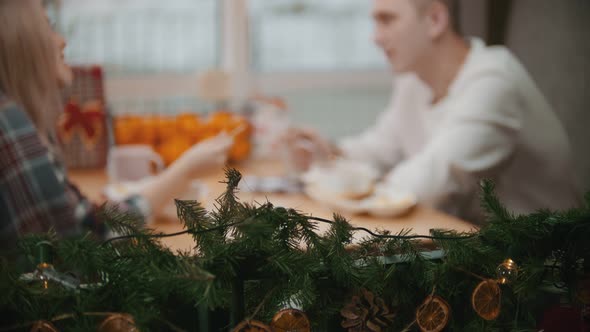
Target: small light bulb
[43,272]
[507,272]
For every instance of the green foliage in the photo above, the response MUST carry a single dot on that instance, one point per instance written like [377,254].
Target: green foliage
[284,261]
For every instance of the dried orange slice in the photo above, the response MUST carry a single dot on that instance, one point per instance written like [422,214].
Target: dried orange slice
[433,314]
[486,299]
[290,320]
[251,326]
[43,326]
[118,322]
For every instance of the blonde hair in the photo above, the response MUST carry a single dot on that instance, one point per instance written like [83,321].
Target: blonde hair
[28,61]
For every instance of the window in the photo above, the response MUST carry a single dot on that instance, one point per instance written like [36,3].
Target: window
[311,35]
[318,55]
[131,37]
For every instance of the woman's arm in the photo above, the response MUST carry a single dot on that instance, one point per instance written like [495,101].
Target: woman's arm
[173,182]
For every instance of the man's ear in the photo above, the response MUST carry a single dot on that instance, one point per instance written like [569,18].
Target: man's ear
[438,19]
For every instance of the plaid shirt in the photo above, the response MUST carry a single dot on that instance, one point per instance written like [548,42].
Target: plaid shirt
[35,194]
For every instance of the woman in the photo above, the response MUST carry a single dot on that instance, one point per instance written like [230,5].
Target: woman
[35,194]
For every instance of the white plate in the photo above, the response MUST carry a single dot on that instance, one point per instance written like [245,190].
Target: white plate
[377,206]
[389,206]
[337,202]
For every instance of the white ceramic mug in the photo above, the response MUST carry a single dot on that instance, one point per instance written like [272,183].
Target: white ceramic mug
[133,162]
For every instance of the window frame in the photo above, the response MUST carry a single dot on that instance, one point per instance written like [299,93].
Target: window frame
[237,62]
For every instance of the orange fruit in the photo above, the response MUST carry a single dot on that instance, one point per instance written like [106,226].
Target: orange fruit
[220,118]
[486,299]
[126,129]
[173,148]
[148,132]
[122,135]
[207,131]
[240,150]
[290,320]
[252,326]
[243,125]
[433,314]
[189,125]
[166,128]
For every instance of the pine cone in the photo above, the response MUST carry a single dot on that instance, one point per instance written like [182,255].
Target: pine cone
[366,313]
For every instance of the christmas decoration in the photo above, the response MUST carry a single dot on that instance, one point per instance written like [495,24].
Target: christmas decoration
[87,121]
[486,299]
[250,260]
[82,127]
[507,272]
[45,274]
[252,326]
[366,313]
[433,314]
[118,323]
[43,326]
[44,267]
[290,320]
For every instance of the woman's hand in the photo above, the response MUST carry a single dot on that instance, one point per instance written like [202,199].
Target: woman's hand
[204,155]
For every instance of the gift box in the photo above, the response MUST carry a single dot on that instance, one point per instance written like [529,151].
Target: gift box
[82,127]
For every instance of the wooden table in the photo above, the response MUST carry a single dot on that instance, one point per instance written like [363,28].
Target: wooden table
[420,219]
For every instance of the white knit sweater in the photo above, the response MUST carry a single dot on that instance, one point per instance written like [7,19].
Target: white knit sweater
[494,123]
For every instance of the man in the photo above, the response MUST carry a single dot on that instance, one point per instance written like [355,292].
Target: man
[460,112]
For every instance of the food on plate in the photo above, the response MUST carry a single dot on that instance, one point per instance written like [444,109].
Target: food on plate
[351,187]
[342,179]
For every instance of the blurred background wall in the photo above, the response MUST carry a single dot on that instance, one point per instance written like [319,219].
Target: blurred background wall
[552,39]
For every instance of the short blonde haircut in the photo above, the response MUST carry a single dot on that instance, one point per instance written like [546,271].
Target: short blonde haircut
[28,61]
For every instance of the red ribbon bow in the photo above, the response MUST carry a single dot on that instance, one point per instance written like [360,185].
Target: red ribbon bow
[87,120]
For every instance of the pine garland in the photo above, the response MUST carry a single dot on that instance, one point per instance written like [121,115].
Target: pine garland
[278,259]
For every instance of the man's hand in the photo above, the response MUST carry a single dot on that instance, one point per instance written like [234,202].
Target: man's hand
[305,146]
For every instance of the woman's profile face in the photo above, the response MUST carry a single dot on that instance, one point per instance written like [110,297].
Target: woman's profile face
[64,72]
